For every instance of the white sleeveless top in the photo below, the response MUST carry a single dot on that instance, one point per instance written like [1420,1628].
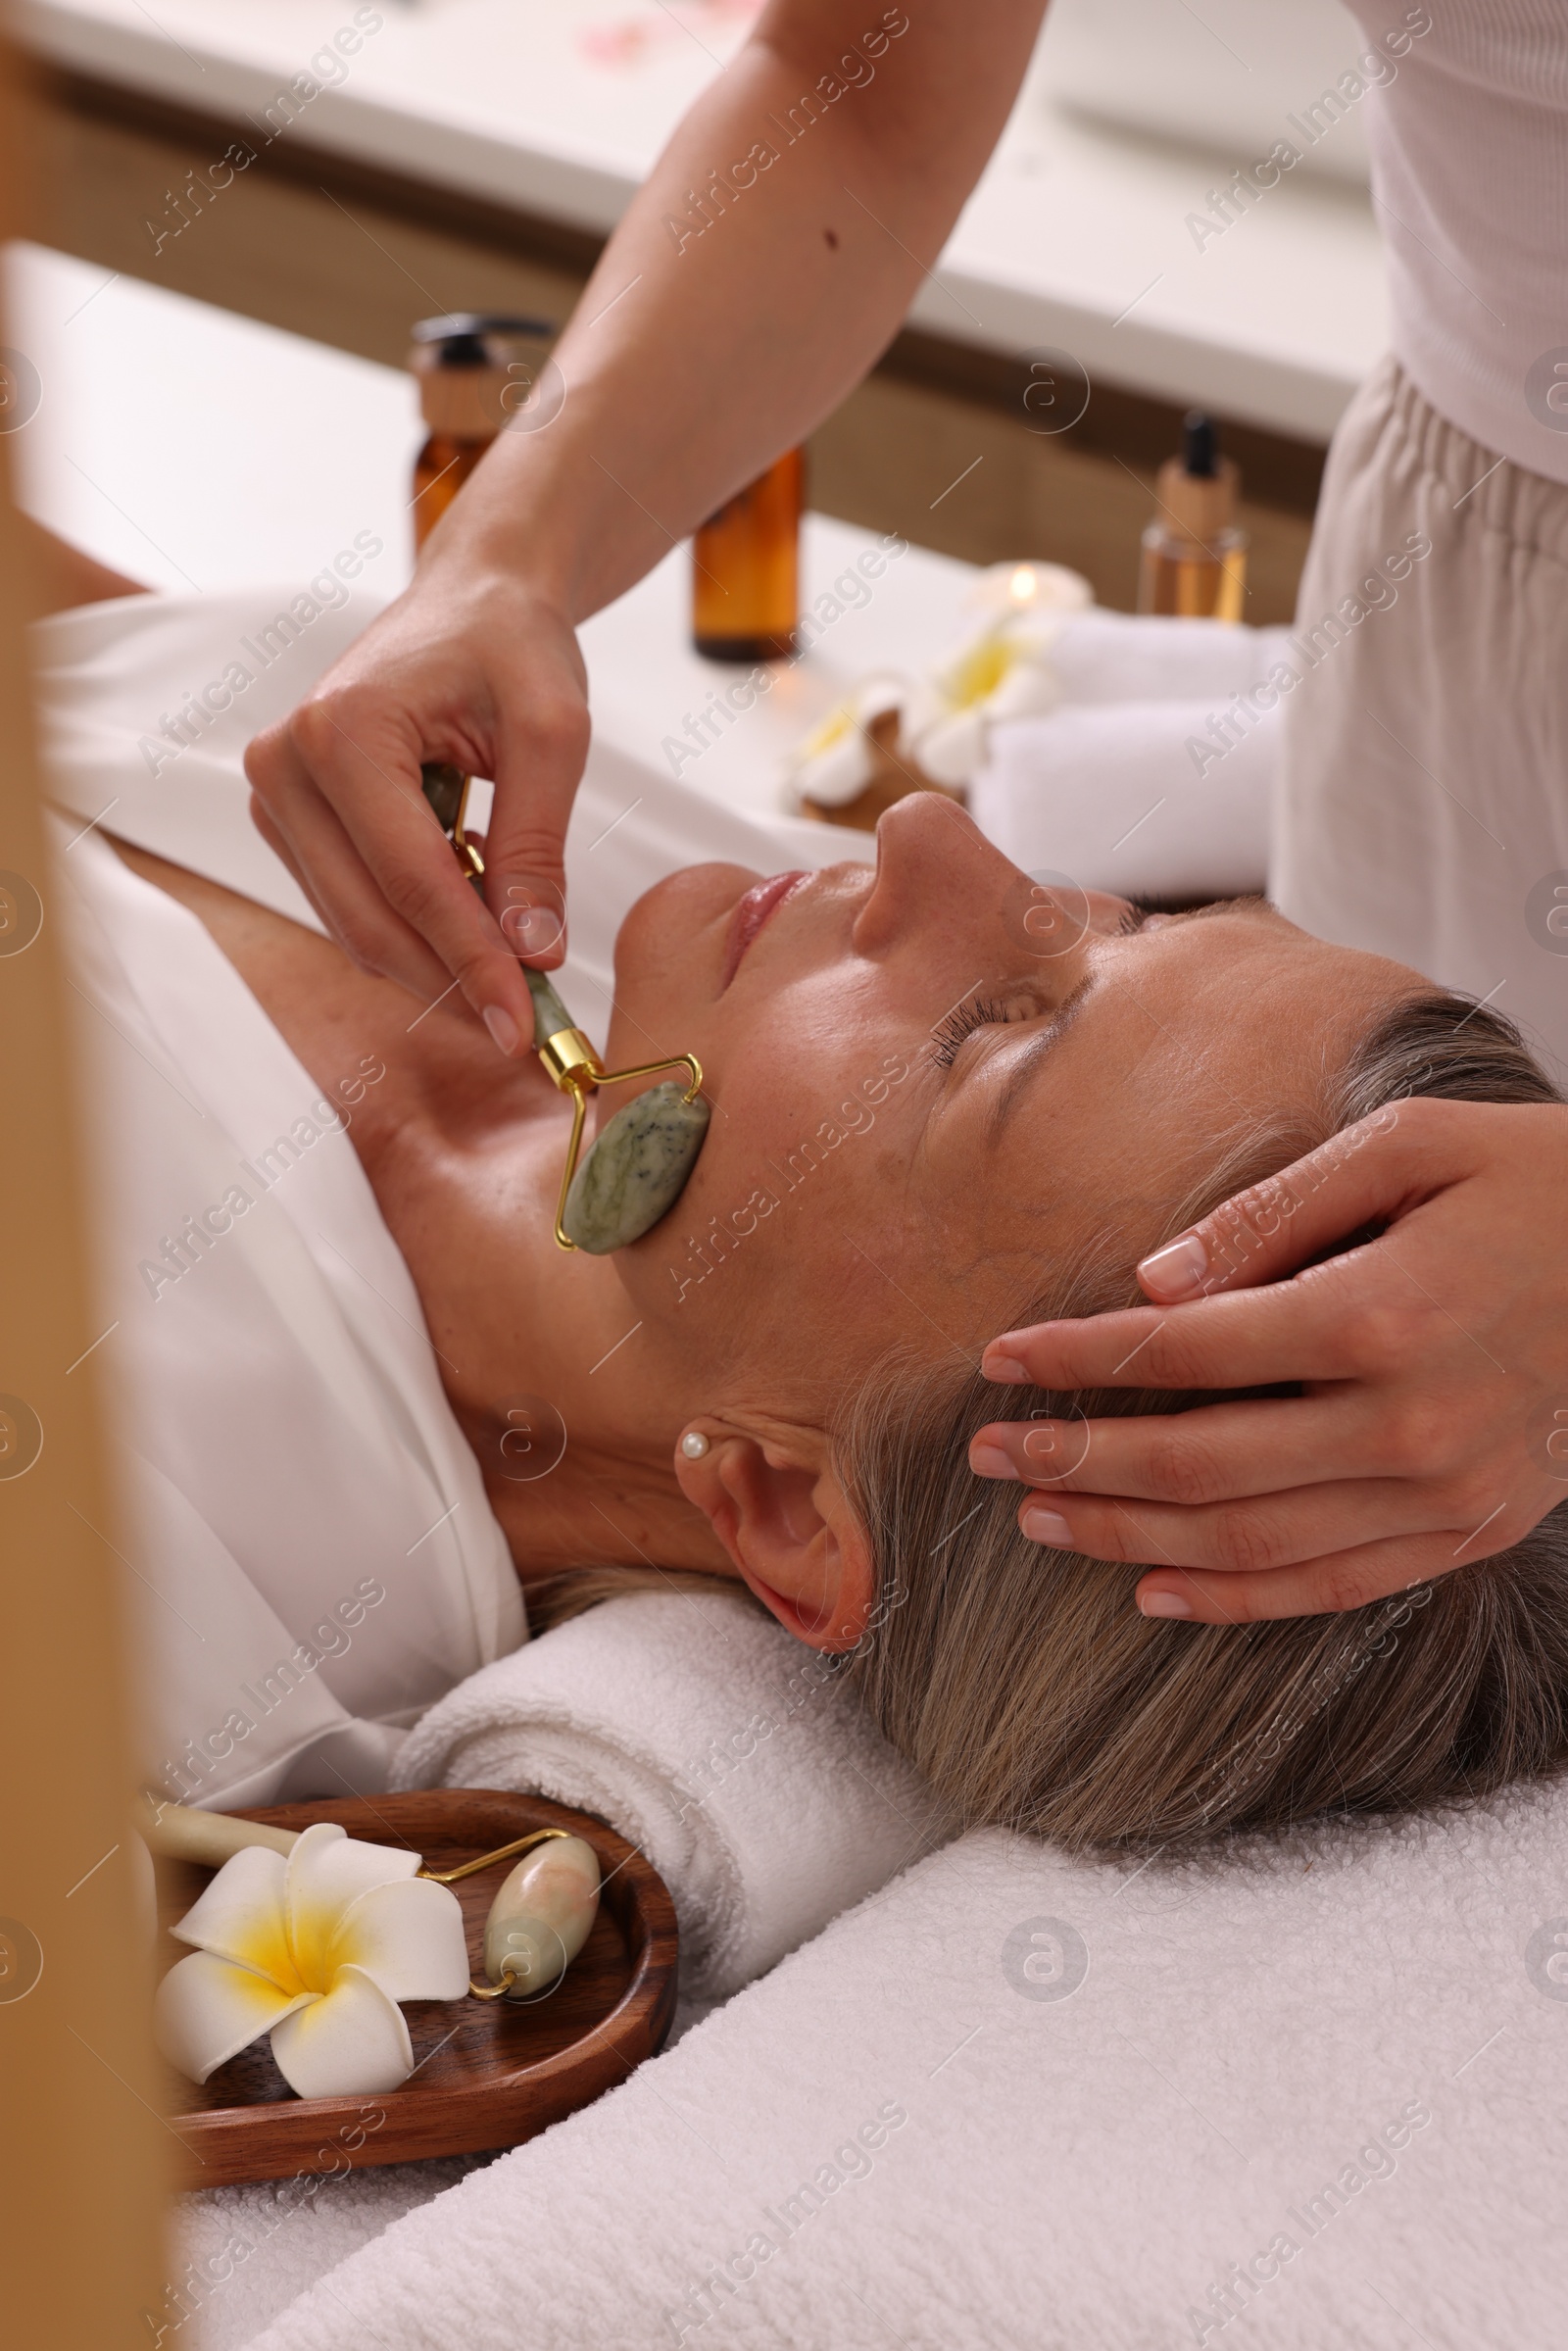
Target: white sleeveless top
[1470,180]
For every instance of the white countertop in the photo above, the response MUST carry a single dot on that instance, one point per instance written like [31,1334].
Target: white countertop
[1076,236]
[193,449]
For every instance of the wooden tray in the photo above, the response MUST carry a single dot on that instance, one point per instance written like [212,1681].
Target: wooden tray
[488,2073]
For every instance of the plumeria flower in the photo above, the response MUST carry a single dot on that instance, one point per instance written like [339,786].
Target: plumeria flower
[839,757]
[1002,669]
[316,1948]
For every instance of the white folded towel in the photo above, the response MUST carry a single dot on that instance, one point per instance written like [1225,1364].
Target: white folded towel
[1107,796]
[1154,774]
[1014,2101]
[1117,657]
[733,1757]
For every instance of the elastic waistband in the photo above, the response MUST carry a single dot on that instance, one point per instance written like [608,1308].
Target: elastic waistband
[1524,508]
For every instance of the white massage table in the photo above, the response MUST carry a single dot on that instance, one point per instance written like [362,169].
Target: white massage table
[1090,2102]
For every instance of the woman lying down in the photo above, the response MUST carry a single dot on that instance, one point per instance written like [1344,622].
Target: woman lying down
[924,1130]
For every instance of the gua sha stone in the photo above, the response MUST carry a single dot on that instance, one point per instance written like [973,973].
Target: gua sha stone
[637,1169]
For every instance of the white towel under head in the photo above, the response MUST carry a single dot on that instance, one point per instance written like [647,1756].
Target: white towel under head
[734,1757]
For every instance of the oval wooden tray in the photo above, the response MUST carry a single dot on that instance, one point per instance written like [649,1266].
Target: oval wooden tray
[488,2073]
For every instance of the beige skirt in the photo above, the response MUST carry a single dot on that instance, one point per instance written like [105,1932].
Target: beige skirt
[1424,802]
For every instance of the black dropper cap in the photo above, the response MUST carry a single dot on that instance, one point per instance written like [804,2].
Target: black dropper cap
[1199,445]
[460,336]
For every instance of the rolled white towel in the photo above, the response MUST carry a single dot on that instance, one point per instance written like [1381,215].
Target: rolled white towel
[1113,795]
[1115,657]
[733,1757]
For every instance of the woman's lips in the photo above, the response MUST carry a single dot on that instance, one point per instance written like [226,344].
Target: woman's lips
[750,913]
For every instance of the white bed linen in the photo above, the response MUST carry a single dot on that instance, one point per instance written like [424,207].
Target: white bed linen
[1312,2095]
[314,1559]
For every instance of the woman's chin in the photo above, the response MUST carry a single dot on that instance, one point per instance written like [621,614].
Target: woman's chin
[672,941]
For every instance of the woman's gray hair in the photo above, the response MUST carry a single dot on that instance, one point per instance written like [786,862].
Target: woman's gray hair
[1031,1693]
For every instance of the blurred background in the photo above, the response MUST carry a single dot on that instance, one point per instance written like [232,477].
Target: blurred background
[474,154]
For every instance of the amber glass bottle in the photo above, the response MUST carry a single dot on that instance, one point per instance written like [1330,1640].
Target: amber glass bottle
[745,569]
[1194,559]
[474,373]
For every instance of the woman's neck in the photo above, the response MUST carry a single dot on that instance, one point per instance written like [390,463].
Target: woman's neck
[545,1362]
[552,1373]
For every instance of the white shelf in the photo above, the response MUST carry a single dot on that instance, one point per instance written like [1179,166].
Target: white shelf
[1075,237]
[192,448]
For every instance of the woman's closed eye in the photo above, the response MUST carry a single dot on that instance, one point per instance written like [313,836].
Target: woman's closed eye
[980,1011]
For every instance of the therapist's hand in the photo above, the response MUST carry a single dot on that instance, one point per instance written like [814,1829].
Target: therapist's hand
[1433,1425]
[473,666]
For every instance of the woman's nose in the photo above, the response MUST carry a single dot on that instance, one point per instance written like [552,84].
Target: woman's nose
[939,880]
[936,876]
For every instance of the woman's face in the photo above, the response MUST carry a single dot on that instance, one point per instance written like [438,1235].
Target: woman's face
[934,1080]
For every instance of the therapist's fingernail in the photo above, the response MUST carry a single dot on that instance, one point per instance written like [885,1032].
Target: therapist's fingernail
[531,920]
[1047,1526]
[990,1461]
[503,1028]
[1176,1271]
[995,1364]
[1164,1603]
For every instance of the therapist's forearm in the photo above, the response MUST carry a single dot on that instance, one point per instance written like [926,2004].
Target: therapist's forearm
[694,359]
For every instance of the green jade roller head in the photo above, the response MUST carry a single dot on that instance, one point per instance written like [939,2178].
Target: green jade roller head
[638,1167]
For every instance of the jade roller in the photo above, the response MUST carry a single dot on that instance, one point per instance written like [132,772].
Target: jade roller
[638,1167]
[542,1915]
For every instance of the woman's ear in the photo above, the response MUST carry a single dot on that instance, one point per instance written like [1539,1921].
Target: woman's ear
[781,1514]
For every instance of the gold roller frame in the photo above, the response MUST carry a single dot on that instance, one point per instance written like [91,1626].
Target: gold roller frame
[568,1054]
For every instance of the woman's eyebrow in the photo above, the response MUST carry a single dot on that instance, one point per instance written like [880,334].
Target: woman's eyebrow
[1027,1058]
[1253,902]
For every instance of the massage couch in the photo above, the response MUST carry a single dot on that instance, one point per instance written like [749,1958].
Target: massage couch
[924,2088]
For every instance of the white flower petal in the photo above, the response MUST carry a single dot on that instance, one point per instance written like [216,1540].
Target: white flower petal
[207,2010]
[326,1872]
[951,751]
[876,696]
[354,2040]
[833,776]
[240,1917]
[409,1937]
[1028,691]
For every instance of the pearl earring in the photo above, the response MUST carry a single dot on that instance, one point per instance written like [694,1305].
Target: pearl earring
[694,1445]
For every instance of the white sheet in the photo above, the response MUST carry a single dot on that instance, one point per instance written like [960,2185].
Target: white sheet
[313,1559]
[1035,2105]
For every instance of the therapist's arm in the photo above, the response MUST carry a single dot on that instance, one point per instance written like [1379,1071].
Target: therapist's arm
[1432,1426]
[691,362]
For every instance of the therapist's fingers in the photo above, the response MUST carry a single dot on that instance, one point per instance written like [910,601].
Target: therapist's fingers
[381,871]
[1379,1170]
[1354,1317]
[278,841]
[1214,1454]
[1285,1529]
[1323,1586]
[355,906]
[541,746]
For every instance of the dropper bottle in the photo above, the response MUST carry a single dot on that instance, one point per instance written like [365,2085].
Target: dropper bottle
[1194,558]
[745,569]
[471,381]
